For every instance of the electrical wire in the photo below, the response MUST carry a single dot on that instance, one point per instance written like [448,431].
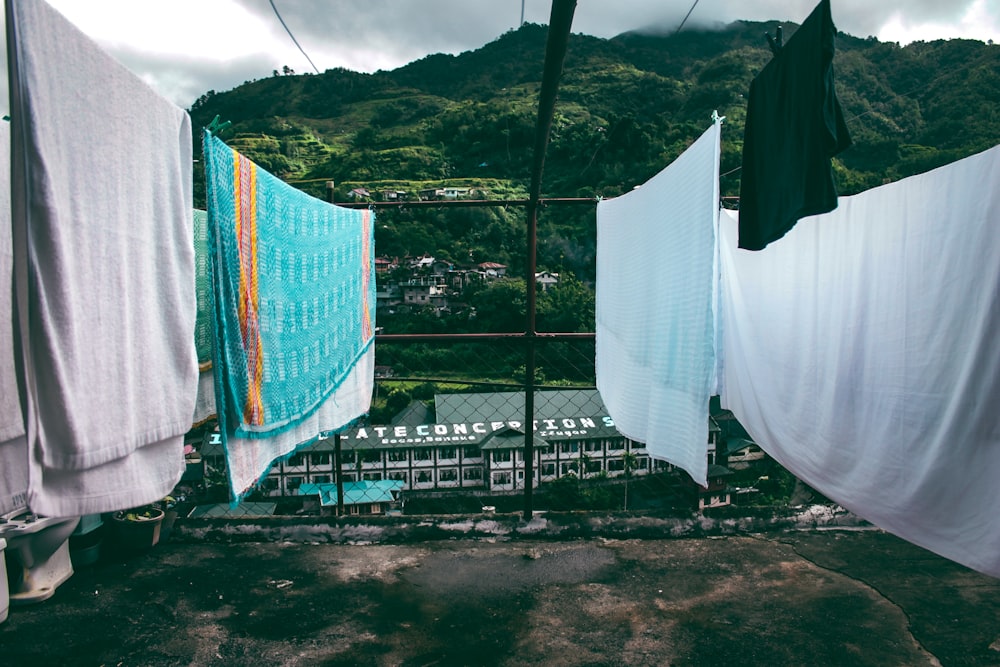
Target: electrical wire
[285,25]
[686,17]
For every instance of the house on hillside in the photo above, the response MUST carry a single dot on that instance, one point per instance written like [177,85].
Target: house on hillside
[423,263]
[388,296]
[393,195]
[492,269]
[742,453]
[384,264]
[441,267]
[424,294]
[717,493]
[546,279]
[358,194]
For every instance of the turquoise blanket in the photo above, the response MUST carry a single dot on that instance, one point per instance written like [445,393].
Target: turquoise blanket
[293,292]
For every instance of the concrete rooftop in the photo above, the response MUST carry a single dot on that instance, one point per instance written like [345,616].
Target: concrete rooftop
[846,596]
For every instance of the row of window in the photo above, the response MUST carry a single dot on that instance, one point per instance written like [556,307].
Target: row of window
[472,475]
[318,459]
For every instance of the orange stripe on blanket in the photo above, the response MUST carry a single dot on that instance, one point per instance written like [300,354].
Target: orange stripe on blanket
[245,190]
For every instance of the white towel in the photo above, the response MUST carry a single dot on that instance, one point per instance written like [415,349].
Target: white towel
[13,446]
[204,405]
[656,258]
[103,269]
[861,352]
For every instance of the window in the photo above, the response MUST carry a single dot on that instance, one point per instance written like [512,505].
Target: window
[501,479]
[471,452]
[293,483]
[321,479]
[569,447]
[397,455]
[423,476]
[294,461]
[569,468]
[423,454]
[373,476]
[472,474]
[593,466]
[501,456]
[593,446]
[349,477]
[446,453]
[319,458]
[399,476]
[641,462]
[269,484]
[447,475]
[548,469]
[370,456]
[616,465]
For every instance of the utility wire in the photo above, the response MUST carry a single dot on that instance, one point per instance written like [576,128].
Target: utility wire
[293,36]
[686,17]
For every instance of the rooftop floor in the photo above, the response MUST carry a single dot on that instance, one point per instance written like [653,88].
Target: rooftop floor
[830,597]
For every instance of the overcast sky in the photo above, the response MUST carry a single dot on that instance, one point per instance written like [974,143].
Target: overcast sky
[184,48]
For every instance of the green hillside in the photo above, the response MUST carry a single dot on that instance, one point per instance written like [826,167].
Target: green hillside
[627,107]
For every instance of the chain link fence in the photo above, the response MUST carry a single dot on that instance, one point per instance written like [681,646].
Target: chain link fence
[448,433]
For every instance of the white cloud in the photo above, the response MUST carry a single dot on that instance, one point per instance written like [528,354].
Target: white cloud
[186,47]
[980,20]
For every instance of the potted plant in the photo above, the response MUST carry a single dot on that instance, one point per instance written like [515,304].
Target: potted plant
[137,529]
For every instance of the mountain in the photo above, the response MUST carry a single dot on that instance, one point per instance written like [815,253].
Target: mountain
[627,107]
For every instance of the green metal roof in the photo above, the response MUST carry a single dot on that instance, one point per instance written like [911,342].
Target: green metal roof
[509,405]
[510,438]
[355,493]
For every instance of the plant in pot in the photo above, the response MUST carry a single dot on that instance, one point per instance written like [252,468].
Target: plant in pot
[137,529]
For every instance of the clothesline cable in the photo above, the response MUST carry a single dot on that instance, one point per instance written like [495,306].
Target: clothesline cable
[285,25]
[686,16]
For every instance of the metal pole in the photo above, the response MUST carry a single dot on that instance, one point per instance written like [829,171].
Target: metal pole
[338,464]
[560,22]
[466,203]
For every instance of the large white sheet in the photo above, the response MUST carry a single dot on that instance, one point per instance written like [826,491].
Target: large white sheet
[656,251]
[862,352]
[103,270]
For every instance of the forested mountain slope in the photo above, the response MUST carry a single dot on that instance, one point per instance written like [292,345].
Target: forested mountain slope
[627,107]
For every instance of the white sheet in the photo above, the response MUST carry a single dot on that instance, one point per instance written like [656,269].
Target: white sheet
[103,269]
[656,251]
[861,352]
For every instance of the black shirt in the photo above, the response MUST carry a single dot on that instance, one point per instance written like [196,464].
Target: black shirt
[794,126]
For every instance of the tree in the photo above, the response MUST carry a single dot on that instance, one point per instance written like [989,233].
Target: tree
[567,306]
[500,305]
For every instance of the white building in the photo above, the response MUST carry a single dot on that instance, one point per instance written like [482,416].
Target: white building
[477,442]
